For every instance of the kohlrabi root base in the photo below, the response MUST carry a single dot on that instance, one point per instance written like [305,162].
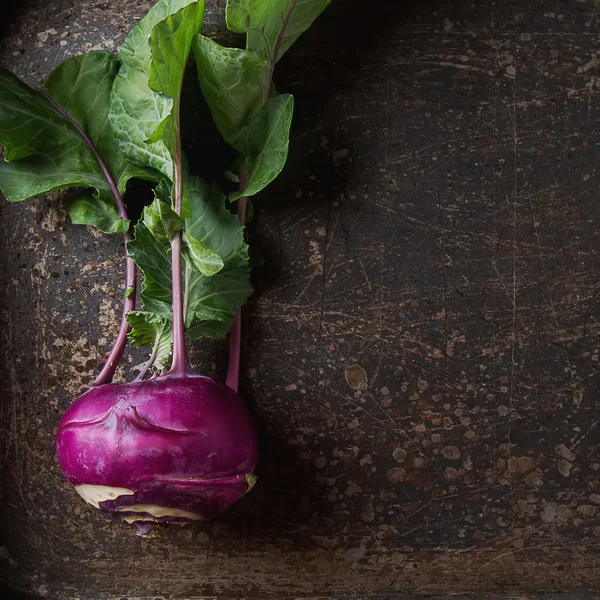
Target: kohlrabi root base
[191,467]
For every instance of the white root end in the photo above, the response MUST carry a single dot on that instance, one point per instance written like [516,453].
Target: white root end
[94,494]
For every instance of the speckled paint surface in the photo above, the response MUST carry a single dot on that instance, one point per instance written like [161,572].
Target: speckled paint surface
[423,346]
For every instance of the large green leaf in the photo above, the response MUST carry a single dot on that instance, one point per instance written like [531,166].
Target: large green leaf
[264,142]
[148,329]
[233,83]
[81,86]
[154,57]
[135,50]
[63,138]
[44,149]
[170,46]
[237,84]
[272,26]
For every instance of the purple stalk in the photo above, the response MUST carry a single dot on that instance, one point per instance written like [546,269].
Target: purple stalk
[108,371]
[180,367]
[110,366]
[235,339]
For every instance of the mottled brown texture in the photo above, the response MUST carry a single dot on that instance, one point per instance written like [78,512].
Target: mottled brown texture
[423,347]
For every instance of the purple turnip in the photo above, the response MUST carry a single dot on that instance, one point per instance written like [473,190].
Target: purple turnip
[172,448]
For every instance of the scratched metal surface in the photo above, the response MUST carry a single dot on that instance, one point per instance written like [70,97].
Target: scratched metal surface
[424,344]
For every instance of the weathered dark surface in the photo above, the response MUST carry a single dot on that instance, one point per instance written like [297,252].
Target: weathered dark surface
[424,347]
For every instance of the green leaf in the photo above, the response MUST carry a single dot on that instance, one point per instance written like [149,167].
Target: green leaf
[148,329]
[135,113]
[135,50]
[233,83]
[154,56]
[151,256]
[213,224]
[81,86]
[215,330]
[272,26]
[162,221]
[202,257]
[45,151]
[220,297]
[129,292]
[208,298]
[170,46]
[62,138]
[100,213]
[264,142]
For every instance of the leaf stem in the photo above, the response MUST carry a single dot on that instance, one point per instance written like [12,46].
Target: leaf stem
[180,367]
[235,339]
[150,362]
[275,55]
[110,366]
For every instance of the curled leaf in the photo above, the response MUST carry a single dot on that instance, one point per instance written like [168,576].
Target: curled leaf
[201,256]
[162,221]
[100,213]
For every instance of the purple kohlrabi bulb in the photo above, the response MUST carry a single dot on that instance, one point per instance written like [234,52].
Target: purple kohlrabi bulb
[166,449]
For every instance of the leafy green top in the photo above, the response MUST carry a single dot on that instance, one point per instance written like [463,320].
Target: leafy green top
[102,120]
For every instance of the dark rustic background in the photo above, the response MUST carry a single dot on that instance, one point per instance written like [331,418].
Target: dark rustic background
[423,349]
